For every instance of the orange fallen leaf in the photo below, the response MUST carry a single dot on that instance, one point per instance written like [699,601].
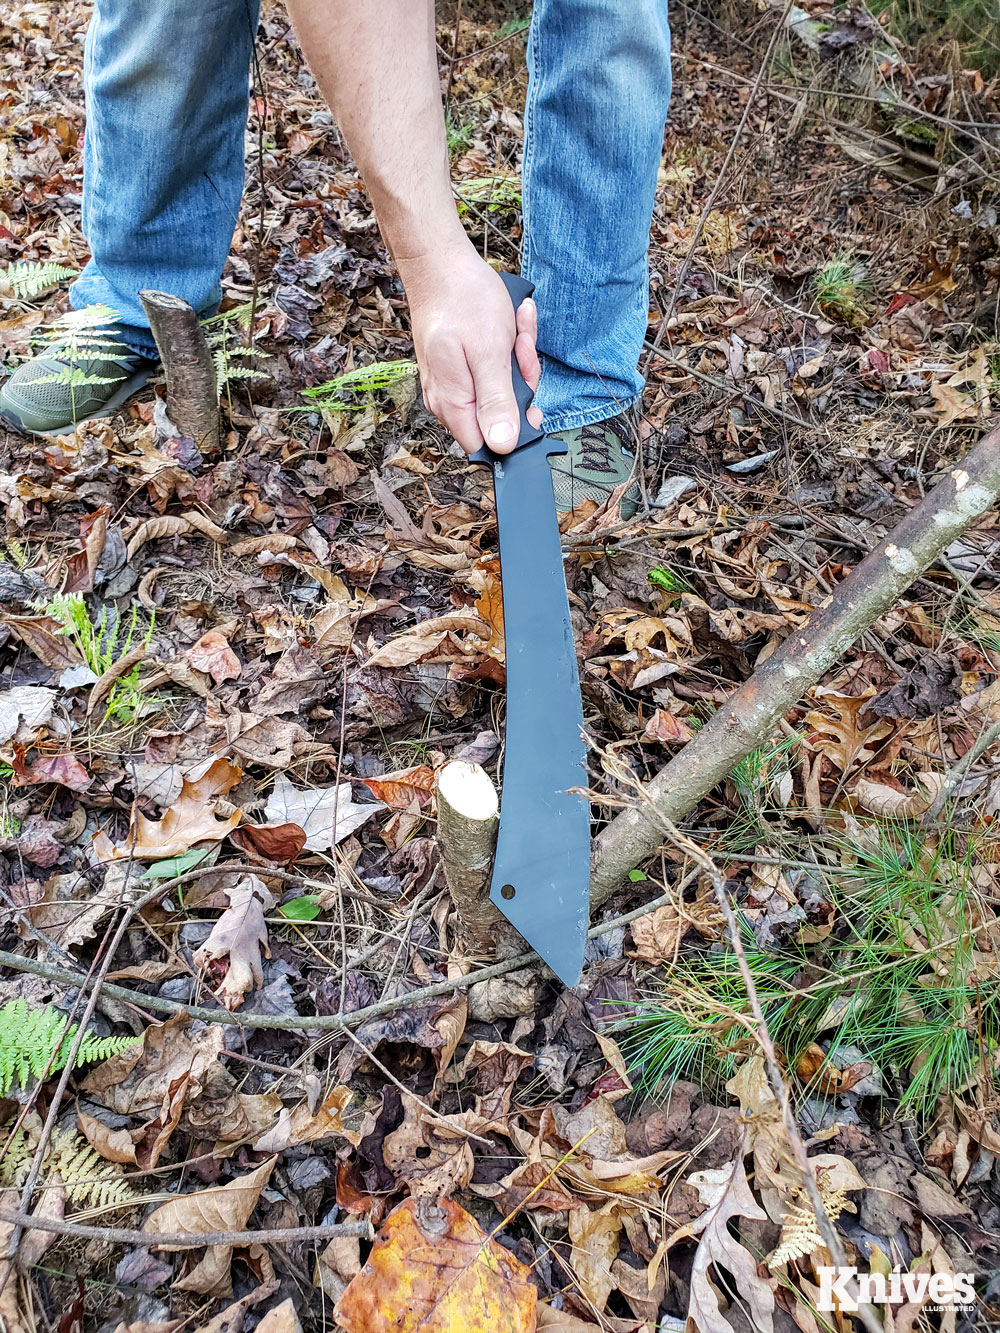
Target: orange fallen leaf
[190,820]
[433,1269]
[399,790]
[213,655]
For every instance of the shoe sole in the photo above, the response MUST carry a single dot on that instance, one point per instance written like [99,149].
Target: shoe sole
[129,387]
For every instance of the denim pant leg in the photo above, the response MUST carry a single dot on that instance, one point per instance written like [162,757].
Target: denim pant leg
[167,87]
[599,85]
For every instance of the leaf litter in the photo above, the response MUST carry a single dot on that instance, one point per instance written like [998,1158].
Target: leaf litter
[318,628]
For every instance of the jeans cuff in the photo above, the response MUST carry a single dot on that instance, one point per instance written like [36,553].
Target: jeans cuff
[573,420]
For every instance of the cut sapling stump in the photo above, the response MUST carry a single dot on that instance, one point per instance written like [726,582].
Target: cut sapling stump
[192,390]
[468,817]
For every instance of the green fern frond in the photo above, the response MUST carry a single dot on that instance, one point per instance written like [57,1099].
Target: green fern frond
[75,377]
[238,314]
[37,1042]
[379,375]
[30,278]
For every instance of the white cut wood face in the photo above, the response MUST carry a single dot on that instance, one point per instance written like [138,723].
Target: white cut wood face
[469,790]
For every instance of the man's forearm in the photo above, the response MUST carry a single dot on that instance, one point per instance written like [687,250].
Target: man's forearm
[376,63]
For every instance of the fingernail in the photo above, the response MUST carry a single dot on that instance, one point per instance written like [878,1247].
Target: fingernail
[501,433]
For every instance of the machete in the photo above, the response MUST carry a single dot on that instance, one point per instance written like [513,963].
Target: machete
[541,871]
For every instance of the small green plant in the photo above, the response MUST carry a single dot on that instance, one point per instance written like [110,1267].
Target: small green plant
[918,131]
[29,278]
[973,24]
[35,1043]
[459,135]
[232,354]
[82,339]
[101,644]
[344,392]
[897,980]
[843,289]
[513,25]
[668,580]
[490,194]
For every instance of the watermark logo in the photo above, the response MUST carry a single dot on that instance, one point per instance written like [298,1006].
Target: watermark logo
[845,1289]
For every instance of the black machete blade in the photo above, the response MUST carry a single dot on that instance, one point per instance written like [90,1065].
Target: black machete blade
[541,872]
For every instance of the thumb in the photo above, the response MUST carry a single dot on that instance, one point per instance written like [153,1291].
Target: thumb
[496,406]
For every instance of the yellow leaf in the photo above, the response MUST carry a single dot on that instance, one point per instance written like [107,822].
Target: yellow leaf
[434,1270]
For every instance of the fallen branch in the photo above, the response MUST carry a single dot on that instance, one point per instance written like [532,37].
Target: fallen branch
[192,391]
[747,719]
[187,1240]
[323,1022]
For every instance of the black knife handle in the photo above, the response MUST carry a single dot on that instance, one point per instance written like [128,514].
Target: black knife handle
[517,289]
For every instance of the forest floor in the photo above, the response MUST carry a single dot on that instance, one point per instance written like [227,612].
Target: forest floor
[227,680]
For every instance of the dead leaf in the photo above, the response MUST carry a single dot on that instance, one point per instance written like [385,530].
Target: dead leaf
[280,843]
[432,1269]
[404,788]
[304,1126]
[657,936]
[67,910]
[950,405]
[229,1320]
[173,525]
[213,655]
[190,820]
[878,798]
[843,738]
[43,637]
[62,770]
[434,640]
[431,1154]
[667,729]
[114,1145]
[315,810]
[239,934]
[105,683]
[727,1194]
[222,1208]
[280,1319]
[594,1239]
[24,711]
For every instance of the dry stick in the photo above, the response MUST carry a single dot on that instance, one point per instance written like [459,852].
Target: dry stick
[192,391]
[187,1240]
[327,1022]
[747,719]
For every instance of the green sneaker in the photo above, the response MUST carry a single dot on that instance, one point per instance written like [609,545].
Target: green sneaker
[82,374]
[600,459]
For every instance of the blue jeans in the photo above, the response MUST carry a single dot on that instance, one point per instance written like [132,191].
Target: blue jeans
[167,85]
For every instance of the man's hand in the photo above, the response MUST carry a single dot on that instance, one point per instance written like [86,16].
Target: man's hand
[464,328]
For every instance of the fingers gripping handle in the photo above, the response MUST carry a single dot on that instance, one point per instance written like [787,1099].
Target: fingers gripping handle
[517,289]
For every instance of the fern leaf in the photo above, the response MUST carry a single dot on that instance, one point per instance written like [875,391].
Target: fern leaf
[30,278]
[36,1043]
[90,1181]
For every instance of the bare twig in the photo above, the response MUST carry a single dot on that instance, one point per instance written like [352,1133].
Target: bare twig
[186,1240]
